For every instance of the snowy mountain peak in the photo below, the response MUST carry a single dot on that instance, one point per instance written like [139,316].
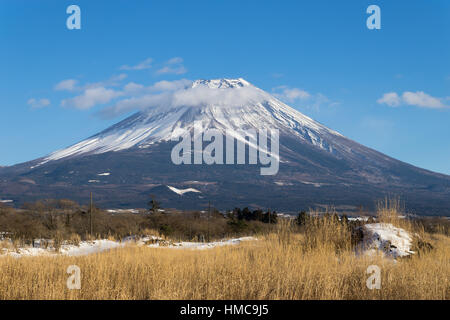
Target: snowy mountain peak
[221,83]
[247,107]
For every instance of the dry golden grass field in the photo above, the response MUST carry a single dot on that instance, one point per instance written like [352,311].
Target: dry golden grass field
[316,264]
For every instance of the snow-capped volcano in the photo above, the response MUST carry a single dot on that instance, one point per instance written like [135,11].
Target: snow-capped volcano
[125,163]
[224,104]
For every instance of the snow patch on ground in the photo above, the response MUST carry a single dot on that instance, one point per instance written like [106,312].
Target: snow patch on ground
[201,245]
[358,218]
[386,239]
[96,246]
[90,247]
[282,183]
[84,248]
[315,184]
[123,210]
[183,191]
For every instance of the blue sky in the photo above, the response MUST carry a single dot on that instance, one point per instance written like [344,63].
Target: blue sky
[388,89]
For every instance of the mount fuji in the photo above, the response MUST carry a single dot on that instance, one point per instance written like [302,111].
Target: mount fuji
[127,162]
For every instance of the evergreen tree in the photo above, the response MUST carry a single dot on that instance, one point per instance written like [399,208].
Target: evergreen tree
[154,205]
[246,214]
[258,215]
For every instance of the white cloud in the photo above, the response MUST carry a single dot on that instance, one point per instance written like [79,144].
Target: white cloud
[38,103]
[290,94]
[173,66]
[230,97]
[421,99]
[72,84]
[67,85]
[173,94]
[309,100]
[170,70]
[111,82]
[164,85]
[133,87]
[91,97]
[418,99]
[170,85]
[392,99]
[146,64]
[97,93]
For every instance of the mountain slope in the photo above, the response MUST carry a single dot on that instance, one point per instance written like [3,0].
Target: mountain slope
[318,166]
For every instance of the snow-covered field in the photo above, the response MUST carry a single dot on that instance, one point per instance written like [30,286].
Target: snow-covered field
[96,246]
